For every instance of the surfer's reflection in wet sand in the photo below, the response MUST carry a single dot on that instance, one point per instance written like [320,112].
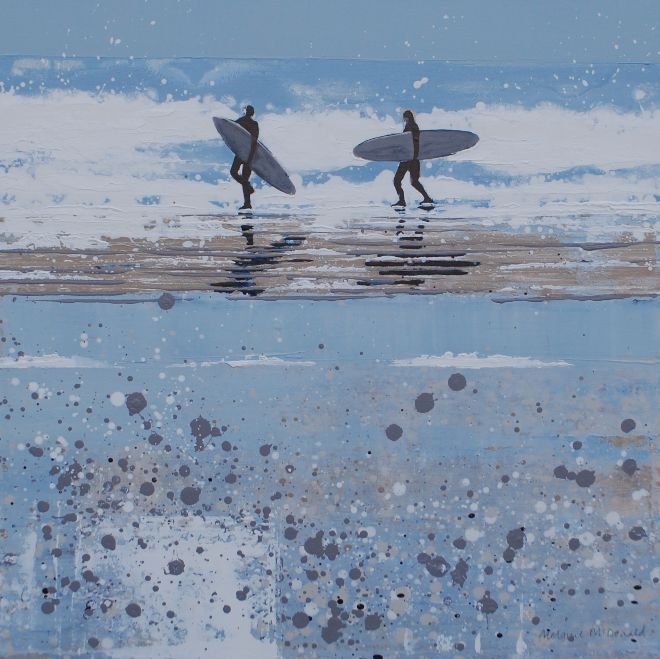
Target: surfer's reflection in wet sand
[257,261]
[410,166]
[252,127]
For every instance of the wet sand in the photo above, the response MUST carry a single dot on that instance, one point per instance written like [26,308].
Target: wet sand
[290,256]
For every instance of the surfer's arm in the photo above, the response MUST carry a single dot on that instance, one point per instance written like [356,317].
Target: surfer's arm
[253,145]
[415,133]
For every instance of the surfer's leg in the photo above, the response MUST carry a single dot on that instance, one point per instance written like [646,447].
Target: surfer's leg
[414,181]
[398,179]
[247,188]
[246,173]
[235,166]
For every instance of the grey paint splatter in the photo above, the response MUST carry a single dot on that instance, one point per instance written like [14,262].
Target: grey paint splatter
[637,533]
[134,610]
[332,630]
[147,489]
[372,621]
[516,538]
[457,382]
[190,495]
[314,546]
[109,542]
[176,567]
[459,573]
[355,573]
[585,478]
[424,403]
[487,604]
[135,402]
[300,620]
[629,466]
[628,425]
[436,566]
[166,301]
[200,429]
[394,432]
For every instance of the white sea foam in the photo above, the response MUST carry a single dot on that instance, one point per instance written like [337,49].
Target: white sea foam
[81,166]
[248,361]
[263,360]
[39,274]
[52,360]
[470,360]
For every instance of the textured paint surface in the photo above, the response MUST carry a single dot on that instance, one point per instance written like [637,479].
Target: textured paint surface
[329,430]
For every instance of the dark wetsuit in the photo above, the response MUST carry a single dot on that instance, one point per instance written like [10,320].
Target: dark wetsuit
[252,127]
[411,166]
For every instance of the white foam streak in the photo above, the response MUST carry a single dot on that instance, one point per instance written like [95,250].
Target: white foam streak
[249,361]
[52,360]
[471,360]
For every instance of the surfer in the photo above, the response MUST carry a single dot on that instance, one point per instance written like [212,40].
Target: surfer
[410,166]
[252,127]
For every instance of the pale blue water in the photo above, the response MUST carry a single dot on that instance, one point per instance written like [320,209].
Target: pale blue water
[309,438]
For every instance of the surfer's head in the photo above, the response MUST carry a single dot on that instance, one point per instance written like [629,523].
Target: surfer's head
[249,110]
[409,115]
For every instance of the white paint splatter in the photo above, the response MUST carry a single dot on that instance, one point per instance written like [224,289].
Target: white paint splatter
[521,646]
[613,518]
[596,561]
[399,489]
[117,398]
[472,534]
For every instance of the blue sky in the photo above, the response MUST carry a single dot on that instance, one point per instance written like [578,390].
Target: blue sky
[506,31]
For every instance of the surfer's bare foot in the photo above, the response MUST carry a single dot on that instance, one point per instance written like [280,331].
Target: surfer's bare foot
[400,202]
[245,207]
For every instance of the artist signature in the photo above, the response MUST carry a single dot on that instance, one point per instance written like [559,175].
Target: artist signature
[593,632]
